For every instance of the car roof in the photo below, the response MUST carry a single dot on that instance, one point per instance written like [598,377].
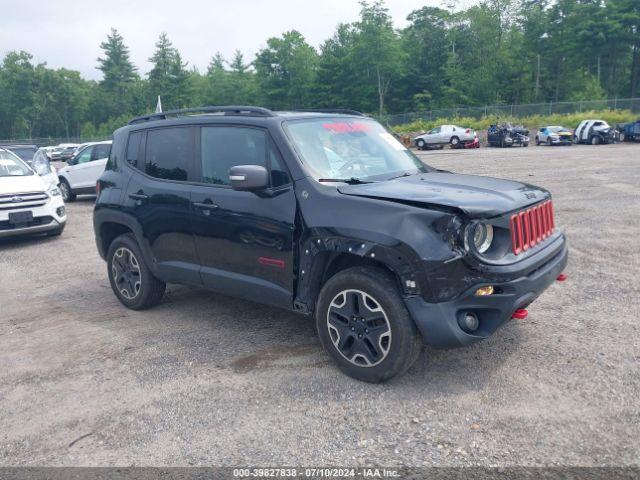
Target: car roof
[18,145]
[238,114]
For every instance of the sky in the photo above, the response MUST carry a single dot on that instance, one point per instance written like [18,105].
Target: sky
[66,33]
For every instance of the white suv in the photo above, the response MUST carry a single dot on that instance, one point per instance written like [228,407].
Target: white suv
[27,204]
[83,170]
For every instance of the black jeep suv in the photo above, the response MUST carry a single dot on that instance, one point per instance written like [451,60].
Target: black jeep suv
[327,214]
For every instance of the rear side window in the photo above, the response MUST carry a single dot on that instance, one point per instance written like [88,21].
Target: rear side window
[133,148]
[226,147]
[168,153]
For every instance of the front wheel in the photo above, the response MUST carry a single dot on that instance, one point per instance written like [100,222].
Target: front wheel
[595,140]
[67,193]
[537,141]
[364,325]
[421,144]
[130,278]
[455,141]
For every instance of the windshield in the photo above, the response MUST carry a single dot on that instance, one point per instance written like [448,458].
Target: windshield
[11,166]
[557,129]
[25,153]
[350,149]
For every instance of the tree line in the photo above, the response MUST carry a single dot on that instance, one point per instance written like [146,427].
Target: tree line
[497,51]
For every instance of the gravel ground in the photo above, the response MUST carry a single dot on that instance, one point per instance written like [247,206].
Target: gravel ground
[204,379]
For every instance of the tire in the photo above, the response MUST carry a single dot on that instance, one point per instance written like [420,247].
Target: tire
[537,141]
[375,294]
[549,142]
[67,192]
[526,144]
[131,280]
[455,142]
[595,140]
[420,144]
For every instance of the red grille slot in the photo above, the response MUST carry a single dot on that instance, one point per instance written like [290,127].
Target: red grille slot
[531,226]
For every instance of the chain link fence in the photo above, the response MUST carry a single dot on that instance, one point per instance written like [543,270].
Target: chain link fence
[524,110]
[52,141]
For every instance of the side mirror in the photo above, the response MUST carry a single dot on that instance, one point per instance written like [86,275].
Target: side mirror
[71,161]
[249,177]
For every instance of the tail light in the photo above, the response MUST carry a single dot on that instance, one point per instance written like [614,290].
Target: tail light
[98,187]
[531,227]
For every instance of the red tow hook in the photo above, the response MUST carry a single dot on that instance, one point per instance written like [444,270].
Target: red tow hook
[562,277]
[520,314]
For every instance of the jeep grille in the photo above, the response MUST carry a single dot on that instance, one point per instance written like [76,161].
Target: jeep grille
[531,226]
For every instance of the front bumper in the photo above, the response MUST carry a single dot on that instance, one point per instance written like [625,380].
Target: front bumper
[50,216]
[438,322]
[562,141]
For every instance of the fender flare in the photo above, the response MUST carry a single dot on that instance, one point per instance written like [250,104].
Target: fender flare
[102,216]
[319,249]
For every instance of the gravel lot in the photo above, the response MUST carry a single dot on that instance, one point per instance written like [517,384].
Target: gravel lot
[204,379]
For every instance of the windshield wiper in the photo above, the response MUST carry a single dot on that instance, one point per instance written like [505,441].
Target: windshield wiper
[405,174]
[350,181]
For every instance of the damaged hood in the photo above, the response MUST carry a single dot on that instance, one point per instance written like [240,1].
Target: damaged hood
[476,196]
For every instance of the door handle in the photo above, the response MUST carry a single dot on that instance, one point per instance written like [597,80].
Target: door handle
[138,196]
[207,205]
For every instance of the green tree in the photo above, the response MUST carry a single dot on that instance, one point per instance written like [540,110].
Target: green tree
[285,71]
[119,77]
[169,76]
[377,51]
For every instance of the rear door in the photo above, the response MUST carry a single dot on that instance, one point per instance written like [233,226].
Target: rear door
[160,199]
[244,240]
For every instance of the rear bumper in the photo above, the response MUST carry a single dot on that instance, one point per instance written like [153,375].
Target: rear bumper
[438,322]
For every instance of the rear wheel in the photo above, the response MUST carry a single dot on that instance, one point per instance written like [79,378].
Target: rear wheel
[595,140]
[537,140]
[130,278]
[455,141]
[67,193]
[364,325]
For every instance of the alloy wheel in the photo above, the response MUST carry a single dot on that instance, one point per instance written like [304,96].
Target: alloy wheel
[64,188]
[359,328]
[126,273]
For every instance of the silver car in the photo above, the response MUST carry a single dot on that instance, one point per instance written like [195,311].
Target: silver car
[445,134]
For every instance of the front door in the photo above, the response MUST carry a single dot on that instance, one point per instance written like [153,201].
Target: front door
[244,240]
[75,172]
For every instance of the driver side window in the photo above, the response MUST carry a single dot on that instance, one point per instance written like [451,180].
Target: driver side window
[85,156]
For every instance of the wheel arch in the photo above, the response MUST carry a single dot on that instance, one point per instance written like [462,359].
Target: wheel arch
[322,259]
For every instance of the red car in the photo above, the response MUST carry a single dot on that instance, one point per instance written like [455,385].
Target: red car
[474,144]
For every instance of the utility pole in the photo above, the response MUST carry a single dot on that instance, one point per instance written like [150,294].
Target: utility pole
[537,79]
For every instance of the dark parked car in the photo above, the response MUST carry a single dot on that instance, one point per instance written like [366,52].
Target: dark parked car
[630,132]
[506,135]
[327,215]
[25,152]
[68,152]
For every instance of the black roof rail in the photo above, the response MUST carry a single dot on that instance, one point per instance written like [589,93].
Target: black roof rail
[343,111]
[225,110]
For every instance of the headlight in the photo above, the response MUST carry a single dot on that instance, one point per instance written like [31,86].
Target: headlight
[482,235]
[53,191]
